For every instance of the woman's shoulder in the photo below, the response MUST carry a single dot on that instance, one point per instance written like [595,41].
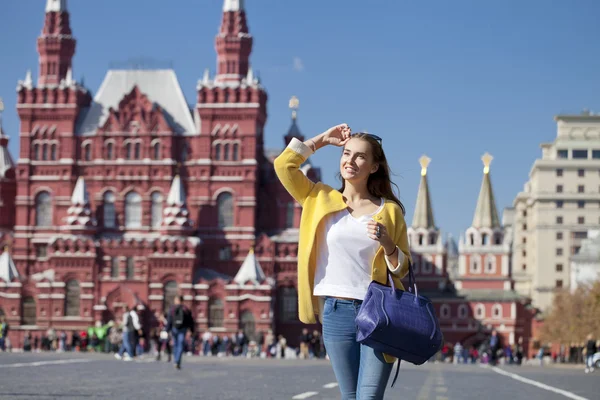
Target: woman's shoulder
[394,210]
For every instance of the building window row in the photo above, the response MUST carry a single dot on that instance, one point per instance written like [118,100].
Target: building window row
[578,154]
[226,151]
[45,151]
[131,150]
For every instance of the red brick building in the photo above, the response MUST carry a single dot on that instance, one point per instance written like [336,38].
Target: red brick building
[481,297]
[130,197]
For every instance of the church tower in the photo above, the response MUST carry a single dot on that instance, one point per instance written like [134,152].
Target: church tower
[7,185]
[484,260]
[429,254]
[231,114]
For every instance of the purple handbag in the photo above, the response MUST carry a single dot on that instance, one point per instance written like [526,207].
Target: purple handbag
[399,323]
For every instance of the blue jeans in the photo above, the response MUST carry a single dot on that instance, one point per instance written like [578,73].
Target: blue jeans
[178,343]
[127,345]
[362,373]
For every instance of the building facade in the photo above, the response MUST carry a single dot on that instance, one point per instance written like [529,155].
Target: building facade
[559,204]
[131,197]
[479,297]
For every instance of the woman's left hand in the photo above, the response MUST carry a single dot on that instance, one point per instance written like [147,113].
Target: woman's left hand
[383,237]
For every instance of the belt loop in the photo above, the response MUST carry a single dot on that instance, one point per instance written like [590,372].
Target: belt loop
[335,304]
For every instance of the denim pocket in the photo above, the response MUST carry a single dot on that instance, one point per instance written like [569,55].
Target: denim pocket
[328,306]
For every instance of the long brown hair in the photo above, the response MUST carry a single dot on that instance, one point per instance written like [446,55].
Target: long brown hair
[380,182]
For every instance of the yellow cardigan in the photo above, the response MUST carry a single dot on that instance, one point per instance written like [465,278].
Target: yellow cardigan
[317,201]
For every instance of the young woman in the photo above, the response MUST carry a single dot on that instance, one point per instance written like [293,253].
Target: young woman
[347,239]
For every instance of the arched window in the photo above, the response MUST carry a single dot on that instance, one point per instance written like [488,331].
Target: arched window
[235,152]
[170,291]
[128,151]
[247,324]
[87,152]
[484,238]
[480,311]
[53,152]
[156,151]
[218,151]
[43,209]
[215,313]
[133,210]
[157,209]
[138,151]
[130,268]
[472,239]
[29,311]
[44,152]
[36,151]
[289,215]
[225,209]
[109,151]
[72,299]
[420,239]
[226,152]
[497,311]
[475,261]
[288,304]
[108,203]
[184,152]
[463,311]
[114,267]
[426,266]
[490,264]
[445,311]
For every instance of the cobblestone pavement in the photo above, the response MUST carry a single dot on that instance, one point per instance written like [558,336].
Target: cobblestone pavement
[91,376]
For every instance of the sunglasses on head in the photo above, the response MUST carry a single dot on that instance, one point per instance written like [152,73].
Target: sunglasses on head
[369,135]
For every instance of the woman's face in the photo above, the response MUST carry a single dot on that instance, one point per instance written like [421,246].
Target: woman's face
[357,162]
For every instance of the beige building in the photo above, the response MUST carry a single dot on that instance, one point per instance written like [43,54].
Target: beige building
[557,207]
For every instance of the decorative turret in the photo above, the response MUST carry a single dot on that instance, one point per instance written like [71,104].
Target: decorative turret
[56,45]
[79,214]
[8,183]
[294,131]
[486,214]
[233,43]
[423,216]
[8,270]
[176,214]
[6,161]
[250,271]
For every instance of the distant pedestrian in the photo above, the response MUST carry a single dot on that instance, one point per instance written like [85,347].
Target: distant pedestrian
[3,332]
[131,324]
[179,322]
[590,350]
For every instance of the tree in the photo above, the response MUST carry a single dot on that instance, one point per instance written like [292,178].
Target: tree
[573,315]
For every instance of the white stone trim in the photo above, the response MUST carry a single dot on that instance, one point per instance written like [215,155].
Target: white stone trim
[86,296]
[248,297]
[156,297]
[99,307]
[188,297]
[155,285]
[201,286]
[10,284]
[51,296]
[248,287]
[185,285]
[10,295]
[201,298]
[58,284]
[513,310]
[87,284]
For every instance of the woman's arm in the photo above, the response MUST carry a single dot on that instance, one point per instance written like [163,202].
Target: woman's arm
[287,165]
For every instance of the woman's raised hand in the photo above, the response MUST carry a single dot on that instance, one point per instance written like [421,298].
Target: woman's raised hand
[337,135]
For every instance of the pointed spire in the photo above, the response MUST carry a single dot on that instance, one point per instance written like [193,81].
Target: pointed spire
[250,76]
[233,5]
[176,213]
[250,271]
[69,78]
[56,5]
[486,214]
[233,43]
[6,161]
[206,77]
[8,270]
[28,83]
[294,131]
[80,214]
[423,216]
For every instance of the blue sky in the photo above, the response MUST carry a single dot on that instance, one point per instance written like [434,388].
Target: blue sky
[451,79]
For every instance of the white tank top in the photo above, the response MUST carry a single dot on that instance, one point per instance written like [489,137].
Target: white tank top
[344,255]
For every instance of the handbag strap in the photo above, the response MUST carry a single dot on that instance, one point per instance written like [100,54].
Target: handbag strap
[397,371]
[412,283]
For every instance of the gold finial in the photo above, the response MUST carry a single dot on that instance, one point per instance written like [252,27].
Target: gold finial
[424,161]
[251,251]
[1,110]
[294,104]
[487,160]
